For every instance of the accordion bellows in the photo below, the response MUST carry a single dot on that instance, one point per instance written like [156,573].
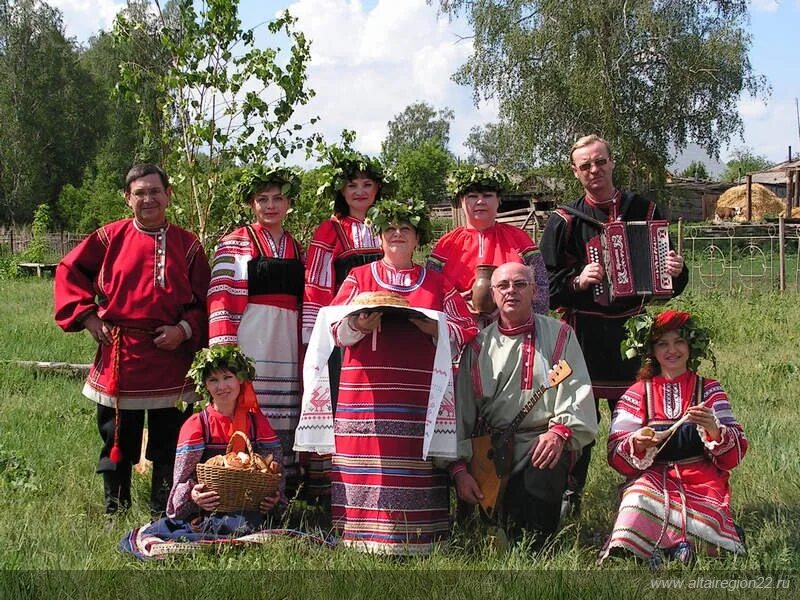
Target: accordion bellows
[634,256]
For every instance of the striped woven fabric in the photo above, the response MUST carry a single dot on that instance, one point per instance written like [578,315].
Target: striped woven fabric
[385,498]
[665,502]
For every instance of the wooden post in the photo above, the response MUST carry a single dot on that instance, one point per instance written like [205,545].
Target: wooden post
[680,236]
[782,252]
[789,192]
[749,209]
[797,187]
[11,239]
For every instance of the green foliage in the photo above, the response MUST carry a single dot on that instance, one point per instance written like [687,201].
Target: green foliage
[466,178]
[696,169]
[98,201]
[393,211]
[38,249]
[422,172]
[223,100]
[497,144]
[744,161]
[14,473]
[418,123]
[647,76]
[49,109]
[309,209]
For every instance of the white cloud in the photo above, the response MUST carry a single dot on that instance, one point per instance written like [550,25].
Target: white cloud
[753,110]
[765,5]
[368,65]
[84,18]
[771,132]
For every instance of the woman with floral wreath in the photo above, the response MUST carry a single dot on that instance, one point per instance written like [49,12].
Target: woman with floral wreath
[223,376]
[354,182]
[388,495]
[255,296]
[675,438]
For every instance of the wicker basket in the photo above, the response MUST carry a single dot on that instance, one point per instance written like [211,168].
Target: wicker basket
[238,489]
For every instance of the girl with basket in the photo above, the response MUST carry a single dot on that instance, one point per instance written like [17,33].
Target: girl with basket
[223,375]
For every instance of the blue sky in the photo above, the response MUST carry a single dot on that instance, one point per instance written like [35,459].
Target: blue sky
[371,58]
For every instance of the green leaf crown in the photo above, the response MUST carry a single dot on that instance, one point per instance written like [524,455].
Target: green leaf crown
[467,178]
[343,165]
[255,178]
[226,356]
[393,211]
[641,330]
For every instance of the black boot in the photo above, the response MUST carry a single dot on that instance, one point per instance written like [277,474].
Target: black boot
[161,487]
[117,489]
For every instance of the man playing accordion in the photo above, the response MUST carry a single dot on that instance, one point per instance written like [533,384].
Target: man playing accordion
[599,328]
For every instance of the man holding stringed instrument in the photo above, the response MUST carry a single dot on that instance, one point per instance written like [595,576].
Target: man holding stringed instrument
[525,410]
[607,254]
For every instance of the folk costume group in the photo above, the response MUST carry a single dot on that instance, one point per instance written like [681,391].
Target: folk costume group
[372,406]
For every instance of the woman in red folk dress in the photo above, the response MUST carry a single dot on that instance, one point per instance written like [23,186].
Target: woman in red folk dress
[387,498]
[675,439]
[254,300]
[354,183]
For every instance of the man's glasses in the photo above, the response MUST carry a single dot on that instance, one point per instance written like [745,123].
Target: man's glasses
[151,193]
[600,162]
[518,284]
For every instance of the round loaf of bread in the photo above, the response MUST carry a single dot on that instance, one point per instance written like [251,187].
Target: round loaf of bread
[381,298]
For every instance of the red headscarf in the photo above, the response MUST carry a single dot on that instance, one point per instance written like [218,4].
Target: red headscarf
[241,422]
[668,321]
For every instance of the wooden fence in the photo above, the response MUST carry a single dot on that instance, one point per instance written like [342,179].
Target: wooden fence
[722,257]
[17,240]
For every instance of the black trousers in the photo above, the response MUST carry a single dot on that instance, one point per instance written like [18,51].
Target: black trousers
[532,500]
[163,425]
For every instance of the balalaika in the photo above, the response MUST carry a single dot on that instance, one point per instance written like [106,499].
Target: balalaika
[634,258]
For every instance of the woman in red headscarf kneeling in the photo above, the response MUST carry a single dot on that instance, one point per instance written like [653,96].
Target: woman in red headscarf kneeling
[675,438]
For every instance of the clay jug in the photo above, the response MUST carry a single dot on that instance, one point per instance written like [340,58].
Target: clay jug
[482,300]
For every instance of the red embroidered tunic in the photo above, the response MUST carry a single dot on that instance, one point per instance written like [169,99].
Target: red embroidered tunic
[384,497]
[137,280]
[690,475]
[457,253]
[338,245]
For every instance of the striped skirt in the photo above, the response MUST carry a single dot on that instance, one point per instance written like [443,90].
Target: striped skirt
[664,507]
[385,499]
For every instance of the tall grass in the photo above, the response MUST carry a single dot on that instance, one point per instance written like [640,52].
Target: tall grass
[55,541]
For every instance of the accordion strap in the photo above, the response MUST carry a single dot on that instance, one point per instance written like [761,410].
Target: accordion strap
[582,215]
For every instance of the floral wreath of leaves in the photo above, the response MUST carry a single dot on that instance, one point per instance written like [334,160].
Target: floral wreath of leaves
[467,177]
[639,342]
[226,356]
[412,211]
[343,165]
[254,178]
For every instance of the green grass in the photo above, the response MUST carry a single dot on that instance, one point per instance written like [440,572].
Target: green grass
[55,543]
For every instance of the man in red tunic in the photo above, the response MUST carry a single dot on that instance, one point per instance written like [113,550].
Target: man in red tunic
[139,287]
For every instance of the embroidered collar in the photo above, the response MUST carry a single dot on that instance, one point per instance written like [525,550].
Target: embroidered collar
[397,273]
[156,231]
[609,205]
[526,327]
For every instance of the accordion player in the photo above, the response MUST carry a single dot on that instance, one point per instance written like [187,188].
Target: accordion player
[633,255]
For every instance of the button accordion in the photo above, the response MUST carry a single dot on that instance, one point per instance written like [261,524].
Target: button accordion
[634,257]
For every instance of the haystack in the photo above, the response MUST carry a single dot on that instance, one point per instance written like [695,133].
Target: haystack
[765,203]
